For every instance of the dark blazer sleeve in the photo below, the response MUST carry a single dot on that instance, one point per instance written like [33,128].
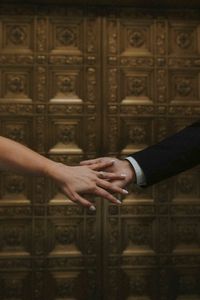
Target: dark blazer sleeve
[171,156]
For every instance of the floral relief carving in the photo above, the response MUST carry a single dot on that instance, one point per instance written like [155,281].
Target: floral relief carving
[65,287]
[16,132]
[184,87]
[40,133]
[113,235]
[67,134]
[13,59]
[136,135]
[91,85]
[136,38]
[112,37]
[39,234]
[137,284]
[161,38]
[41,83]
[138,234]
[17,35]
[13,237]
[13,288]
[65,235]
[16,84]
[90,236]
[113,86]
[186,233]
[184,39]
[161,85]
[66,36]
[136,86]
[41,34]
[188,284]
[91,134]
[162,132]
[113,134]
[66,84]
[92,37]
[186,184]
[14,185]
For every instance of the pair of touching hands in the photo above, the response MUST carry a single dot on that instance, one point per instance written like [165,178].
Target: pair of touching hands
[102,177]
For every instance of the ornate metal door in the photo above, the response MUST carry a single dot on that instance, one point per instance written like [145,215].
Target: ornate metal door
[151,90]
[79,83]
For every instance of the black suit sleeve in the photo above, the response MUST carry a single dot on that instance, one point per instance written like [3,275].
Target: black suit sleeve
[170,156]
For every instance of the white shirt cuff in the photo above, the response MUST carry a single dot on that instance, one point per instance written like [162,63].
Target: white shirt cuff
[140,177]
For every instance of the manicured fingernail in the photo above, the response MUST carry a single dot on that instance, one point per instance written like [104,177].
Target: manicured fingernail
[123,175]
[92,208]
[119,202]
[125,192]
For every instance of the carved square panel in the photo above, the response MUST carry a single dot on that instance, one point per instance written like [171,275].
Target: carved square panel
[65,285]
[15,238]
[72,284]
[65,237]
[19,130]
[65,136]
[141,284]
[17,85]
[136,87]
[66,35]
[66,86]
[135,134]
[138,236]
[132,284]
[17,35]
[14,189]
[184,87]
[186,284]
[15,285]
[185,235]
[136,38]
[186,187]
[183,38]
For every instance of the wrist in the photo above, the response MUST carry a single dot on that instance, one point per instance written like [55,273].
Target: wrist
[51,169]
[130,171]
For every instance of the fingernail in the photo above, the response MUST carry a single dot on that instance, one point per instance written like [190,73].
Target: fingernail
[119,202]
[112,161]
[123,175]
[92,208]
[125,192]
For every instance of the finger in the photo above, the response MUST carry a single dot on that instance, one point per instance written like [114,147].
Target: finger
[110,176]
[112,187]
[84,202]
[90,161]
[104,194]
[101,165]
[75,197]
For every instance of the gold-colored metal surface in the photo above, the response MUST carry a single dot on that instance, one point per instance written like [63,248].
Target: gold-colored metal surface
[79,83]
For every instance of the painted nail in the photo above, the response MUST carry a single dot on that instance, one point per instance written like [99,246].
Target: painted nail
[119,202]
[125,192]
[92,208]
[123,175]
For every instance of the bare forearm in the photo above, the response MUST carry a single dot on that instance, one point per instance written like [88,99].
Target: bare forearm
[18,158]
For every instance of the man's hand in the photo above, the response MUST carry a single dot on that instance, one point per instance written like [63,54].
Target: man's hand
[118,167]
[75,181]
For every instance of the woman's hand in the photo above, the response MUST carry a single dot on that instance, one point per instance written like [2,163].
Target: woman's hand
[79,180]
